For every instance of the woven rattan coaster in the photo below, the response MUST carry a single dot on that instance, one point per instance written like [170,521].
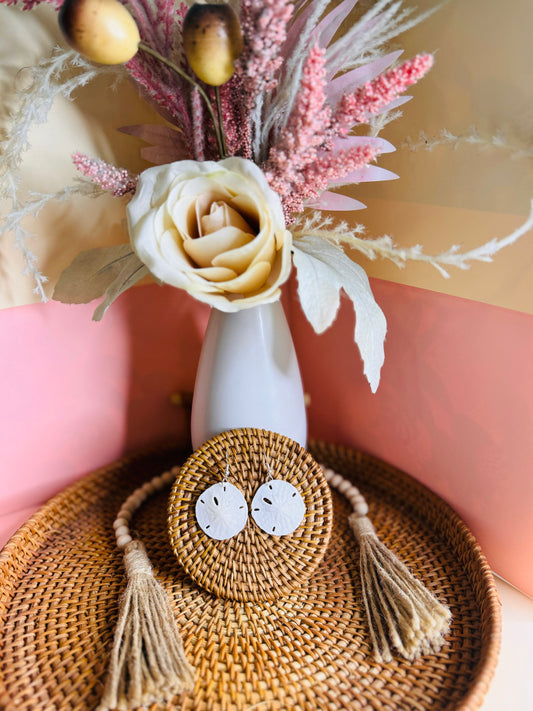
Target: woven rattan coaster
[252,565]
[61,578]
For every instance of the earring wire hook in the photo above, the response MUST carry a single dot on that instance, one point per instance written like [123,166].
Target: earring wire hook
[268,468]
[226,472]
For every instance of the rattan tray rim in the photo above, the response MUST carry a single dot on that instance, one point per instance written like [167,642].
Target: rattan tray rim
[35,531]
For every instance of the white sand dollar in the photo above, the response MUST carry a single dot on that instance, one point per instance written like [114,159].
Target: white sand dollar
[278,507]
[221,511]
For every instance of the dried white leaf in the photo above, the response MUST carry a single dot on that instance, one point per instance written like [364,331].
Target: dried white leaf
[104,271]
[322,270]
[318,292]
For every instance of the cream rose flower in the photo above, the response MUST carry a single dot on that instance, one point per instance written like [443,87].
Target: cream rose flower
[214,229]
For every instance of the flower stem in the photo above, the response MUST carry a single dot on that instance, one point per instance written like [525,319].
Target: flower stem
[220,124]
[221,147]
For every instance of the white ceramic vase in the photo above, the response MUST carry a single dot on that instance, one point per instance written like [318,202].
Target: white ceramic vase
[248,376]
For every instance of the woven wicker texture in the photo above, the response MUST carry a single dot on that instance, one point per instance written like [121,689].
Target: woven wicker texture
[62,576]
[252,565]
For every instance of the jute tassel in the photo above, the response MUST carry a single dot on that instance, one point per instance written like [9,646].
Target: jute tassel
[147,663]
[402,614]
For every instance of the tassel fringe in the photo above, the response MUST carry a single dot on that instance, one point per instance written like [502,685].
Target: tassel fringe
[402,614]
[148,663]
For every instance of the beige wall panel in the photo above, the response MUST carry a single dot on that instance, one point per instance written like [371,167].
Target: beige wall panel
[462,195]
[469,193]
[88,125]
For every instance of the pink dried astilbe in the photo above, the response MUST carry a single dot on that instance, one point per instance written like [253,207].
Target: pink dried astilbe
[197,114]
[331,167]
[264,27]
[327,168]
[305,163]
[160,27]
[306,132]
[30,4]
[235,119]
[117,181]
[375,95]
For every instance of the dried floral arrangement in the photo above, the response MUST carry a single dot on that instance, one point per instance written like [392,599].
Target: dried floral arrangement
[269,110]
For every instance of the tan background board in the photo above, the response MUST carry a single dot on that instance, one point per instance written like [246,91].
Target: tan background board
[447,196]
[469,193]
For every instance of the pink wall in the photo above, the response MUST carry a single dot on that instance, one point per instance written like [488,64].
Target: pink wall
[77,394]
[454,408]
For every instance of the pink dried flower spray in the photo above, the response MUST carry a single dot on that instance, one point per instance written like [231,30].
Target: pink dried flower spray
[118,181]
[375,95]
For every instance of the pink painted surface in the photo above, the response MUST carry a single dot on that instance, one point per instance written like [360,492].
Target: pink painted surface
[77,394]
[454,408]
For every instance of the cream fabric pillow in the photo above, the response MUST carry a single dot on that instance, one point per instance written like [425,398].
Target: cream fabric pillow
[88,125]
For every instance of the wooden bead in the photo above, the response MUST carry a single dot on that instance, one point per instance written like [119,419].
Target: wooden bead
[361,508]
[121,520]
[123,540]
[345,487]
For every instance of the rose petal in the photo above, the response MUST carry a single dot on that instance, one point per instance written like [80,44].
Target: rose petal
[202,203]
[203,250]
[204,186]
[182,216]
[162,220]
[282,266]
[248,208]
[266,253]
[216,273]
[186,211]
[241,258]
[171,249]
[214,220]
[252,279]
[255,185]
[222,215]
[170,204]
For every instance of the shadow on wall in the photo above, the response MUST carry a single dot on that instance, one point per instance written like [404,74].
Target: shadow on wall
[166,329]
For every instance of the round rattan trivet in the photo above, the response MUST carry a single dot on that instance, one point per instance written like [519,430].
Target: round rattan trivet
[252,565]
[61,578]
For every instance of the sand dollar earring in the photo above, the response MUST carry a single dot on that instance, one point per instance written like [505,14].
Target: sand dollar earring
[277,507]
[221,510]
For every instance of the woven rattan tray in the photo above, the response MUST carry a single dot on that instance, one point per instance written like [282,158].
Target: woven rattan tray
[61,578]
